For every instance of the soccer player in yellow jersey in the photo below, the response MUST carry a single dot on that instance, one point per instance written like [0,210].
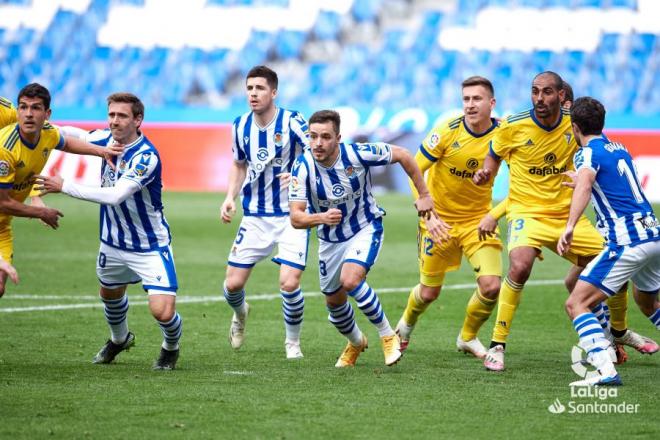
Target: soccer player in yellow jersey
[451,153]
[24,150]
[538,146]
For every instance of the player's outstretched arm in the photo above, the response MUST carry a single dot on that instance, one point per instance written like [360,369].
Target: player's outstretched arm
[113,195]
[424,202]
[78,146]
[579,202]
[237,174]
[15,208]
[488,223]
[301,219]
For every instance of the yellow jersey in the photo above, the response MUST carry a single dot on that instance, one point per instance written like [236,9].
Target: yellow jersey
[537,156]
[452,153]
[8,114]
[20,161]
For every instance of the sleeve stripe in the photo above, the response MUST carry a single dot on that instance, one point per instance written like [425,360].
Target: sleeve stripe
[426,154]
[492,153]
[6,185]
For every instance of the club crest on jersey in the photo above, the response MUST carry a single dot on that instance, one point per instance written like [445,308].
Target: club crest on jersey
[45,153]
[337,190]
[277,139]
[122,165]
[295,184]
[4,168]
[350,172]
[568,137]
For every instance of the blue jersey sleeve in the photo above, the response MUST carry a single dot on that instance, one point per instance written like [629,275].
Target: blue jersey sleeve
[587,159]
[236,149]
[374,154]
[299,181]
[141,169]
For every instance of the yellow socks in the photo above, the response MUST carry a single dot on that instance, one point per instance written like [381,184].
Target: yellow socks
[415,307]
[477,312]
[508,303]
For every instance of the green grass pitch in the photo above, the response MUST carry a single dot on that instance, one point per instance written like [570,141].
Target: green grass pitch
[50,389]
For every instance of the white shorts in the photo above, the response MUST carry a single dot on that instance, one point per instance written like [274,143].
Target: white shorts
[363,249]
[617,264]
[155,269]
[257,236]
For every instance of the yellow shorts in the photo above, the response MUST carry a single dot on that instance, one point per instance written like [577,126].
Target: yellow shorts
[437,259]
[6,244]
[539,232]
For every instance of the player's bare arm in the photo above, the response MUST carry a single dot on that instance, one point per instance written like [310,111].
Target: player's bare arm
[79,146]
[237,174]
[15,208]
[424,202]
[300,219]
[579,202]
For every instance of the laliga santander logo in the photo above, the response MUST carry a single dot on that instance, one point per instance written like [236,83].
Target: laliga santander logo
[556,407]
[579,364]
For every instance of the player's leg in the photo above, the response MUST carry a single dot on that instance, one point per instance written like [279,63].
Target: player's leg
[293,304]
[434,261]
[113,276]
[485,257]
[292,257]
[254,241]
[162,305]
[649,305]
[361,255]
[521,261]
[340,311]
[590,333]
[587,243]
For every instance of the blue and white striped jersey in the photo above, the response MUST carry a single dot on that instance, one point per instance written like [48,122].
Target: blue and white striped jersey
[623,214]
[137,224]
[346,185]
[268,151]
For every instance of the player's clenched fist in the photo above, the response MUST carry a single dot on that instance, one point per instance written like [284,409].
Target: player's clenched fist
[227,210]
[332,216]
[481,176]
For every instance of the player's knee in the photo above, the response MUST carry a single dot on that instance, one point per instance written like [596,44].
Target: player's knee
[490,288]
[289,284]
[350,281]
[234,283]
[519,271]
[429,293]
[163,312]
[570,306]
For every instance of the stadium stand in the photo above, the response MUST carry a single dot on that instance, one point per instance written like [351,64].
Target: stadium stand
[402,53]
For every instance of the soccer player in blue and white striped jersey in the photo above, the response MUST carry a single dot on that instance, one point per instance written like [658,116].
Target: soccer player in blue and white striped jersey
[606,174]
[135,237]
[265,142]
[331,188]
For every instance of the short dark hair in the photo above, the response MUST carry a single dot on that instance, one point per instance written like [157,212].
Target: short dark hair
[479,81]
[35,90]
[589,115]
[128,98]
[568,91]
[323,116]
[264,72]
[558,82]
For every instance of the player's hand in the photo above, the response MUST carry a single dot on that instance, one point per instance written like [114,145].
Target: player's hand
[51,217]
[9,270]
[481,176]
[48,184]
[424,206]
[486,227]
[285,178]
[564,243]
[38,202]
[571,175]
[227,210]
[437,228]
[110,152]
[332,217]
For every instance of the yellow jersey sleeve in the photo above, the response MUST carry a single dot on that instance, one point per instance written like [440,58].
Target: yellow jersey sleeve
[503,143]
[52,137]
[433,146]
[7,169]
[8,114]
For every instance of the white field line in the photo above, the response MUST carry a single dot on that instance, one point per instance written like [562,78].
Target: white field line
[213,298]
